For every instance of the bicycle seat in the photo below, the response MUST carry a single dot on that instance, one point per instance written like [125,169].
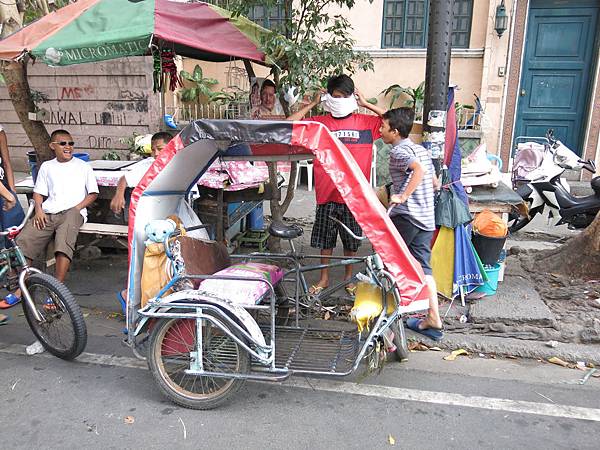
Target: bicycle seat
[283,231]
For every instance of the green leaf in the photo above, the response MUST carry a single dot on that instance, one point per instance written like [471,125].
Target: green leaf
[197,75]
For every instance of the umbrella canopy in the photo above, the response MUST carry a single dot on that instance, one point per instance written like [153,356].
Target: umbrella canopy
[99,30]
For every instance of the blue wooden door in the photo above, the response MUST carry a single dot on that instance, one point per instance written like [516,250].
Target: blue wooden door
[560,50]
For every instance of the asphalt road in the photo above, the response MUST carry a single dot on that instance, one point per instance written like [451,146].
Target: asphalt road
[424,403]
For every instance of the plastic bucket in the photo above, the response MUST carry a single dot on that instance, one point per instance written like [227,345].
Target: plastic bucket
[488,248]
[256,218]
[83,156]
[32,159]
[491,285]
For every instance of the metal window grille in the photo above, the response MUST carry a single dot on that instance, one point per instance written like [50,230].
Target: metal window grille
[272,18]
[405,23]
[461,23]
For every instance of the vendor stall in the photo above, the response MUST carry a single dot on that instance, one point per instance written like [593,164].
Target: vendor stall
[99,30]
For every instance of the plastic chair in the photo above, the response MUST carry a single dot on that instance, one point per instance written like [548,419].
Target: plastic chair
[309,173]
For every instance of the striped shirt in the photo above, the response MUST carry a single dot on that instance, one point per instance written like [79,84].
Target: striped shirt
[419,208]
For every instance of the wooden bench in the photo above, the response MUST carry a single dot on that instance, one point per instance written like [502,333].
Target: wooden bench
[118,233]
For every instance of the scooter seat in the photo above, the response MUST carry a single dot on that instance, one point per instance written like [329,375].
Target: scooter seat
[283,231]
[583,203]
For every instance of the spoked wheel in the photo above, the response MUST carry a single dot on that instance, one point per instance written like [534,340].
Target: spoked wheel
[400,339]
[169,356]
[62,331]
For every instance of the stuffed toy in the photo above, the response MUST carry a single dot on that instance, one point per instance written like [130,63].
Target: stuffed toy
[157,230]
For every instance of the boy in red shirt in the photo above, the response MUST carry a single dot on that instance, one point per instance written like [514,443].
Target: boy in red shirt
[357,132]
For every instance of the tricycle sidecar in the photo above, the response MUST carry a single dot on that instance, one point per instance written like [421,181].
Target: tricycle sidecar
[210,331]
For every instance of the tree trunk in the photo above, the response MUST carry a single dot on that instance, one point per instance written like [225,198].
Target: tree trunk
[15,76]
[578,257]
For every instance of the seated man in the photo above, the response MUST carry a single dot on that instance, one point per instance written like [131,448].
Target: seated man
[69,186]
[132,178]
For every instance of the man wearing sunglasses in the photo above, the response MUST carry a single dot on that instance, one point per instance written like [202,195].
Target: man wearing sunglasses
[64,188]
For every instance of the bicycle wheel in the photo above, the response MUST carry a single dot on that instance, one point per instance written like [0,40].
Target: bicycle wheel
[62,331]
[169,356]
[400,339]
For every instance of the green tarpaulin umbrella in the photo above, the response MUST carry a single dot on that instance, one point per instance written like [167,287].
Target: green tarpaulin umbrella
[99,30]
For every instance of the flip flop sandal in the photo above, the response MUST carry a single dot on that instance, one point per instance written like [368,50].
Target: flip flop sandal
[4,319]
[315,290]
[431,333]
[122,301]
[49,305]
[9,301]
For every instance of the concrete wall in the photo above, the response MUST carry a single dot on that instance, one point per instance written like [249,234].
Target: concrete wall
[98,103]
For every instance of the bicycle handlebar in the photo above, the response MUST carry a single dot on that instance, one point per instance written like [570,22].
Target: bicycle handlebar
[15,230]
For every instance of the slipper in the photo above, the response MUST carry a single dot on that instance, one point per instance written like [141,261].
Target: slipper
[4,319]
[122,301]
[9,301]
[431,333]
[315,290]
[49,305]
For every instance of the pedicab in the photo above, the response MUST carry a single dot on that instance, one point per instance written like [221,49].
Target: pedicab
[216,324]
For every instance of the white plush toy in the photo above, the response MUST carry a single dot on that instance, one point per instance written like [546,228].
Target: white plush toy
[157,230]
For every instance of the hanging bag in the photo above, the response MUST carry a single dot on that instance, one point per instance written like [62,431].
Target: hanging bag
[450,210]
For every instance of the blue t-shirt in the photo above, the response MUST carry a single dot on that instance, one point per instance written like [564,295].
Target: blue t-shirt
[419,208]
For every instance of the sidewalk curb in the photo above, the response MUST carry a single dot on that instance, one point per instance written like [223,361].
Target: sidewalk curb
[515,347]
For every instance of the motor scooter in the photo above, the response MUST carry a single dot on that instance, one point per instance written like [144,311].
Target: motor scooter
[544,188]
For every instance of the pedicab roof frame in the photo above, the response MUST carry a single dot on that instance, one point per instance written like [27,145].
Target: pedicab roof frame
[100,30]
[190,153]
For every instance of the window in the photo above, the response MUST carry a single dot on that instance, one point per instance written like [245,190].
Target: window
[271,18]
[405,23]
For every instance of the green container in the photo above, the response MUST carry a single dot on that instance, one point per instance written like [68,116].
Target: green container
[491,285]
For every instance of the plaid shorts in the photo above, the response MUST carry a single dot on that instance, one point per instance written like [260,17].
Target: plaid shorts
[325,230]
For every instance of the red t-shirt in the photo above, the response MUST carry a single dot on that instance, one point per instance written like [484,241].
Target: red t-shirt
[357,132]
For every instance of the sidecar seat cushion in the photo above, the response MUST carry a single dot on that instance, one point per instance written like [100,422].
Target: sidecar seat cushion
[246,291]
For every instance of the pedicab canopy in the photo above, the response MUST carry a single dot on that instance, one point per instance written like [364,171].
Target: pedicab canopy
[182,162]
[99,30]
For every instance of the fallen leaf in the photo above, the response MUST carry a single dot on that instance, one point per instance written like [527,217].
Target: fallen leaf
[327,315]
[416,346]
[391,439]
[558,361]
[452,356]
[129,420]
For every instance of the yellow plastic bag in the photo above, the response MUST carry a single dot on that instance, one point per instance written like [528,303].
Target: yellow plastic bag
[368,304]
[154,274]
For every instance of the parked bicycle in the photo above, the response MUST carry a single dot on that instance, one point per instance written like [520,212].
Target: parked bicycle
[50,309]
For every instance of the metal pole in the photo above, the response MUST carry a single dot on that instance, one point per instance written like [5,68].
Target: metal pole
[437,75]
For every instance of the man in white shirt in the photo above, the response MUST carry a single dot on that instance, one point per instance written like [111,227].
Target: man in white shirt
[133,177]
[69,186]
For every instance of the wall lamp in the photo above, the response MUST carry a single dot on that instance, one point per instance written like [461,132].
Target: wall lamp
[501,19]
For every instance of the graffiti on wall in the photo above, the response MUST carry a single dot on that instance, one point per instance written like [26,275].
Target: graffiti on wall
[127,107]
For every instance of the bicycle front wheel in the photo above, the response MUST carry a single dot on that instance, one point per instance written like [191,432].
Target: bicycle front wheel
[62,330]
